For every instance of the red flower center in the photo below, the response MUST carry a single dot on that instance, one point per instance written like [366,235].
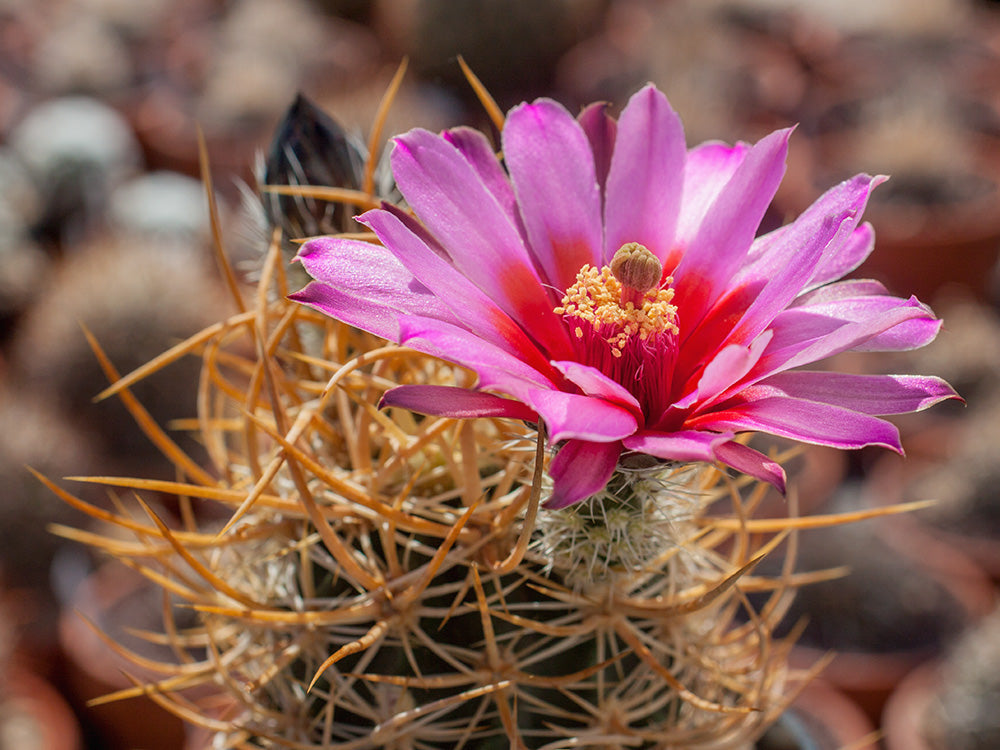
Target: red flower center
[622,323]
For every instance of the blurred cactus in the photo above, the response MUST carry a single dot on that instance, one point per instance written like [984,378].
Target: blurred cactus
[310,148]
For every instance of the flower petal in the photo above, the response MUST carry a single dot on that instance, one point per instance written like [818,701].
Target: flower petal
[458,403]
[552,168]
[803,335]
[645,183]
[477,150]
[916,330]
[460,211]
[707,169]
[854,252]
[579,470]
[722,241]
[497,369]
[876,395]
[572,416]
[593,382]
[683,445]
[365,314]
[600,129]
[788,266]
[728,366]
[806,421]
[752,463]
[364,285]
[467,302]
[841,290]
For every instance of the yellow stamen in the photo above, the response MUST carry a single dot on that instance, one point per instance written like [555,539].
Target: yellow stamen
[597,298]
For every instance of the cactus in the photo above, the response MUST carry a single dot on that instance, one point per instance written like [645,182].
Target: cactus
[380,583]
[388,580]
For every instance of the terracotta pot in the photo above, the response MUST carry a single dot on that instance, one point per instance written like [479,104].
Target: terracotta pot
[822,718]
[34,715]
[116,599]
[906,708]
[870,677]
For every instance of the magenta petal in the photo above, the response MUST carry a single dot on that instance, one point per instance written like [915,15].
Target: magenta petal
[497,369]
[458,403]
[572,416]
[791,262]
[684,445]
[646,180]
[707,169]
[727,367]
[842,290]
[364,285]
[887,323]
[600,129]
[552,168]
[876,395]
[802,337]
[752,463]
[853,253]
[367,315]
[579,470]
[593,382]
[722,241]
[477,150]
[453,202]
[475,309]
[806,421]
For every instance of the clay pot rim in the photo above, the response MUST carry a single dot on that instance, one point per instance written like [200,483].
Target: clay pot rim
[52,714]
[909,702]
[860,671]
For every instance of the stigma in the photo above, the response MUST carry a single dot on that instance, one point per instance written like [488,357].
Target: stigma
[624,304]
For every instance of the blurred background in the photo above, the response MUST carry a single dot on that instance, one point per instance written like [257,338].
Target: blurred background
[103,224]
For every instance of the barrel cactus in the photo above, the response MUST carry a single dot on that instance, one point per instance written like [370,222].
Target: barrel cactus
[514,524]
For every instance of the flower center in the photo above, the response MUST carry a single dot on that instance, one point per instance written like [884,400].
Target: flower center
[621,302]
[624,324]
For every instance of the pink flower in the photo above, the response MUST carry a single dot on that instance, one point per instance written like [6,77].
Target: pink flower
[607,281]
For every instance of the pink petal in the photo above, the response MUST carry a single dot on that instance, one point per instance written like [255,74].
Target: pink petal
[854,252]
[364,285]
[727,367]
[593,382]
[600,129]
[806,421]
[915,331]
[552,167]
[497,369]
[683,445]
[841,290]
[572,416]
[647,176]
[722,241]
[803,335]
[468,302]
[752,463]
[789,265]
[458,403]
[460,211]
[476,149]
[579,470]
[707,169]
[368,315]
[868,394]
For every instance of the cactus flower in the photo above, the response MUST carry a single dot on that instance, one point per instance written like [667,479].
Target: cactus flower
[607,281]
